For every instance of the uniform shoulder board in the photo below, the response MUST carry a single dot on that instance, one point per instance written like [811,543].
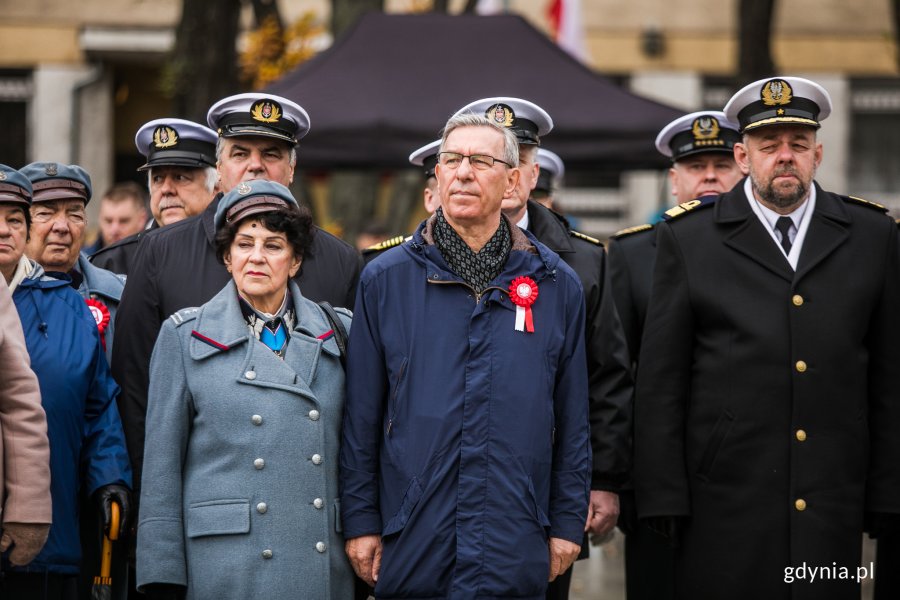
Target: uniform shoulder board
[897,221]
[631,230]
[184,315]
[869,203]
[386,244]
[587,238]
[686,207]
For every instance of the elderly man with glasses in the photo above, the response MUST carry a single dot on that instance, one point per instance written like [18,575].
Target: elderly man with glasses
[466,461]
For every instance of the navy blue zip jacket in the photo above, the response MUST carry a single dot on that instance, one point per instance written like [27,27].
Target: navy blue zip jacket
[465,442]
[87,446]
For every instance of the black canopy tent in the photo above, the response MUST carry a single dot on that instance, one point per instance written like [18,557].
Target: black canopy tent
[389,84]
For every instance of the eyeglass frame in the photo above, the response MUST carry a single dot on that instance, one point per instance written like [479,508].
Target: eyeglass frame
[470,156]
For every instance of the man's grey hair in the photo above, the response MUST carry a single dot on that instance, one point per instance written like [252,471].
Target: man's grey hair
[212,177]
[510,143]
[220,143]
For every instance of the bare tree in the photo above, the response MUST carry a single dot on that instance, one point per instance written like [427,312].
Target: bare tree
[755,40]
[470,6]
[201,68]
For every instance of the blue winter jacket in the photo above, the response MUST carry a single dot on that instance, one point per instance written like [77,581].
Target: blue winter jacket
[87,445]
[465,442]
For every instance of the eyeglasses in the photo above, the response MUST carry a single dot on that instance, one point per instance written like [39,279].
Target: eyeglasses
[482,162]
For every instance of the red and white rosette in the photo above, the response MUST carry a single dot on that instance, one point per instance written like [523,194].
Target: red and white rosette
[101,316]
[523,291]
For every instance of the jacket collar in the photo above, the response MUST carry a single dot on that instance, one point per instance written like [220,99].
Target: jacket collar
[827,230]
[549,227]
[221,322]
[208,217]
[99,281]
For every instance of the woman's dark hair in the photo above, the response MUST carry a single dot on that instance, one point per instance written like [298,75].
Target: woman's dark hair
[296,225]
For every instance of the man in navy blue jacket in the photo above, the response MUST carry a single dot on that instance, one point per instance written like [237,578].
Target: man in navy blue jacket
[466,461]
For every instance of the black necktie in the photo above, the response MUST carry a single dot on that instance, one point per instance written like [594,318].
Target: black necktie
[783,224]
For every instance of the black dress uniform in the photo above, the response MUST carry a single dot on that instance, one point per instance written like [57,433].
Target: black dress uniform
[609,377]
[118,257]
[176,267]
[632,255]
[766,412]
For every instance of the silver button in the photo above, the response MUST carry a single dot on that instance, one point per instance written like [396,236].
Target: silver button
[318,503]
[257,419]
[267,553]
[316,459]
[251,375]
[259,463]
[320,546]
[313,415]
[261,508]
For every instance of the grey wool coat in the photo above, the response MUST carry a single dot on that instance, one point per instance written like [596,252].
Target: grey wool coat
[240,494]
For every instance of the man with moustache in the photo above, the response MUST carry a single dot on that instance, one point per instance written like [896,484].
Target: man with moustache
[701,146]
[766,410]
[181,177]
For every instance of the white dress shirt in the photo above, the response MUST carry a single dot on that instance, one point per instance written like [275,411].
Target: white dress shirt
[800,217]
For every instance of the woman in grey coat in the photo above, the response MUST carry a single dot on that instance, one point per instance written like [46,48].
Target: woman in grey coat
[240,496]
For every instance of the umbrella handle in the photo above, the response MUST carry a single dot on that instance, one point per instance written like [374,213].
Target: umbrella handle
[115,512]
[106,556]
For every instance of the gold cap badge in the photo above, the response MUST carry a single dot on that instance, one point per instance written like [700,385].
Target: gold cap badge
[776,92]
[705,128]
[164,137]
[266,111]
[501,114]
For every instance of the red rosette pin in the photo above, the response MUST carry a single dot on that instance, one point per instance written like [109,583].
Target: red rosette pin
[523,291]
[101,316]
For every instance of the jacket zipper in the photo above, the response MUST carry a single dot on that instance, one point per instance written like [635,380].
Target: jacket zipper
[466,285]
[393,405]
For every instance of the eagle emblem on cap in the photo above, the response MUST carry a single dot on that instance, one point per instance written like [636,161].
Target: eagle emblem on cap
[501,114]
[51,170]
[164,137]
[776,92]
[244,188]
[2,175]
[266,111]
[705,128]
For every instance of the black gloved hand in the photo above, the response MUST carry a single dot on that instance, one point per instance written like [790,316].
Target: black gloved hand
[104,497]
[667,526]
[164,591]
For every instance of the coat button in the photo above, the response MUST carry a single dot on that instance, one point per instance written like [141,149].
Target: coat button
[267,553]
[251,375]
[801,435]
[318,503]
[313,415]
[261,508]
[800,504]
[801,366]
[259,464]
[320,547]
[256,419]
[797,300]
[316,459]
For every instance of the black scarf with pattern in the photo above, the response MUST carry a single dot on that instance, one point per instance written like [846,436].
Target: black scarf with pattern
[477,269]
